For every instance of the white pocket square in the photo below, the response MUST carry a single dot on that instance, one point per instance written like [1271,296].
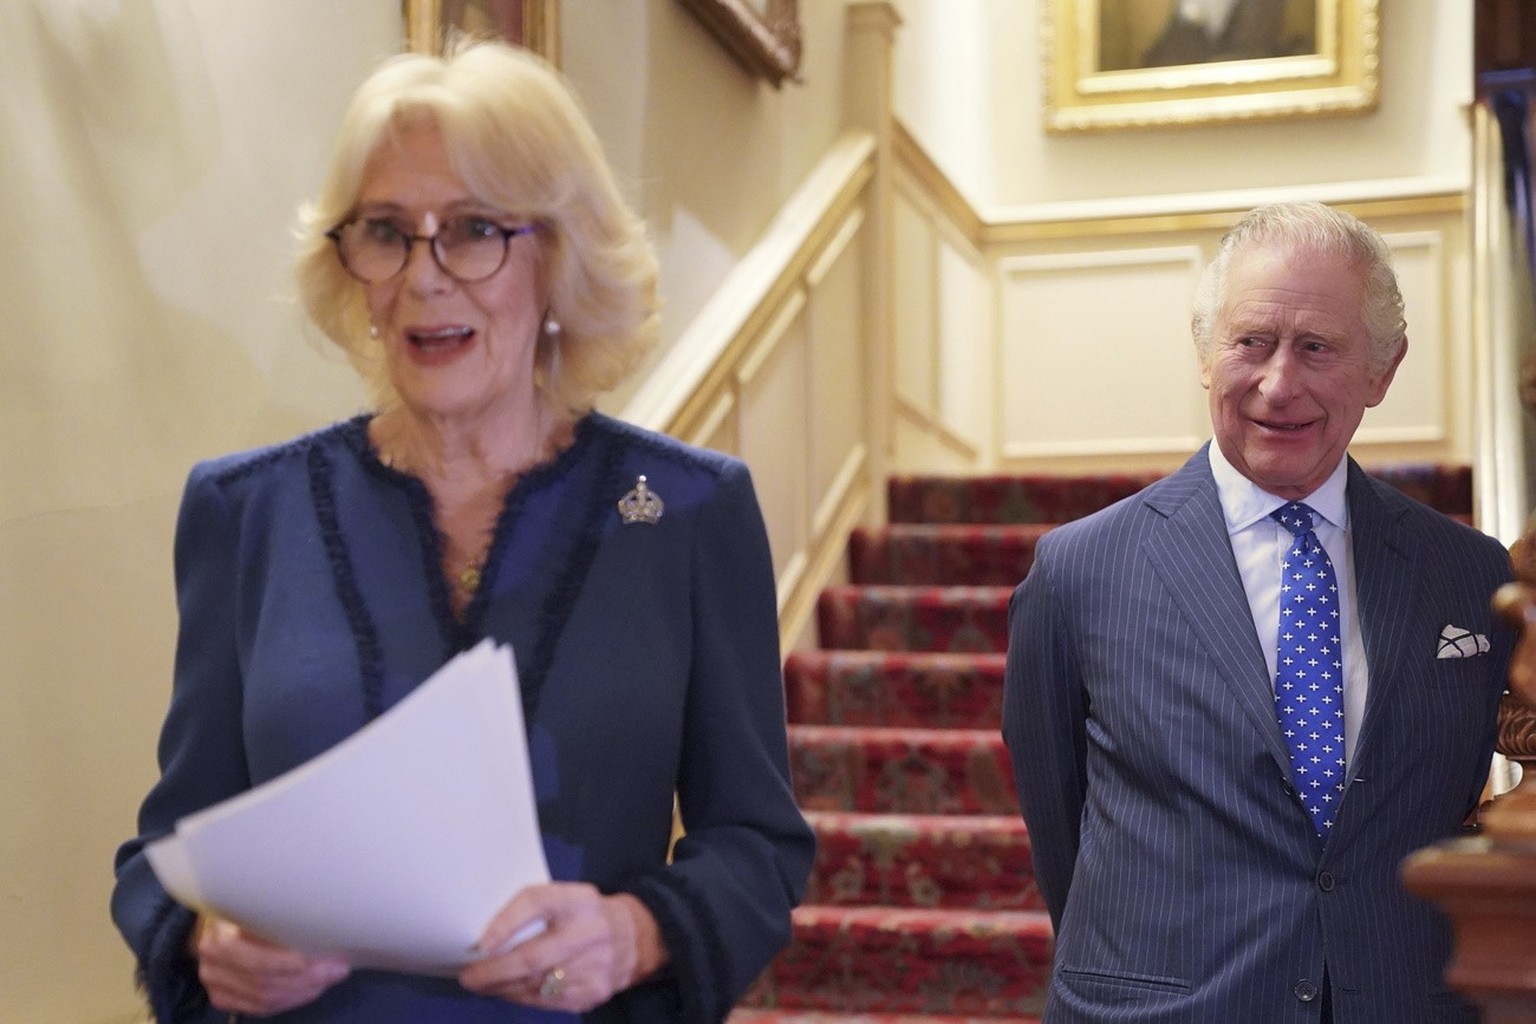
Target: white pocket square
[1456,642]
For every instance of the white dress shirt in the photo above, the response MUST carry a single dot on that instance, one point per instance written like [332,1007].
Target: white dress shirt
[1259,543]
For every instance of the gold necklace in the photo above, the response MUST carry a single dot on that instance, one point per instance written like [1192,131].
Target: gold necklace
[471,575]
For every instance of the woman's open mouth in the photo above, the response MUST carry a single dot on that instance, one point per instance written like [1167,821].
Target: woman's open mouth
[438,344]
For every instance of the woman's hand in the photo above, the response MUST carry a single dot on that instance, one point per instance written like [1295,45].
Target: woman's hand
[247,975]
[592,946]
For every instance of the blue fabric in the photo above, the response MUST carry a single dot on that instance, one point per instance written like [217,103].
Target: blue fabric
[311,600]
[1309,676]
[1186,882]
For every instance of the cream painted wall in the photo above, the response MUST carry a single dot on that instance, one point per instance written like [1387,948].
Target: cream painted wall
[944,88]
[969,89]
[155,152]
[968,86]
[154,155]
[710,153]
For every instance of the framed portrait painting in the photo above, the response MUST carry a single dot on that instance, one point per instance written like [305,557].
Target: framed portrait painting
[1156,63]
[534,24]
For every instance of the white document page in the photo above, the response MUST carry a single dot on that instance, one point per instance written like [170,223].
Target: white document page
[394,848]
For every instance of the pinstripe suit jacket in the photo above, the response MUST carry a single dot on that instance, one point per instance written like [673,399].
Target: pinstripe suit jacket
[1181,872]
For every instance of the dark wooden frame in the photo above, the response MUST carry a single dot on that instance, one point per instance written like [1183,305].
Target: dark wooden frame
[763,36]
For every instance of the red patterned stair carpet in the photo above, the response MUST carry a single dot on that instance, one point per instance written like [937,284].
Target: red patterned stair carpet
[922,907]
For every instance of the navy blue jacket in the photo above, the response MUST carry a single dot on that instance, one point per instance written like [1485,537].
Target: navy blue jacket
[1182,873]
[311,599]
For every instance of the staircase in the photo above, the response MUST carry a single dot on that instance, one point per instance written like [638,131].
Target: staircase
[922,907]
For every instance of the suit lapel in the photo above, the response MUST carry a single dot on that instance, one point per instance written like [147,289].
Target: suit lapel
[1385,571]
[1192,555]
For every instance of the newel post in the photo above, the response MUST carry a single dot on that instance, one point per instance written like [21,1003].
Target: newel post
[1487,884]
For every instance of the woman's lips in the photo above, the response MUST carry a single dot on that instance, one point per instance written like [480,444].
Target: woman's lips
[436,345]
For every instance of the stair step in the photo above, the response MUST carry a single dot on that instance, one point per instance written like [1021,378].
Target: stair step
[977,862]
[895,688]
[901,771]
[1007,499]
[1044,498]
[894,618]
[1447,488]
[943,554]
[922,906]
[910,961]
[752,1016]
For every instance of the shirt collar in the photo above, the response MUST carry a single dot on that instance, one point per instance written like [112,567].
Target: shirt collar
[1244,502]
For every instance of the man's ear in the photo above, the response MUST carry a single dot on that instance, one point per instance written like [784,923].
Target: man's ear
[1384,380]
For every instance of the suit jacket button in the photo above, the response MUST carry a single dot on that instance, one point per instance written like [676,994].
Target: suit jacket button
[1305,990]
[1325,881]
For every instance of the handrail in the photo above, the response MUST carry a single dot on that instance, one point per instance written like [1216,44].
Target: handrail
[678,394]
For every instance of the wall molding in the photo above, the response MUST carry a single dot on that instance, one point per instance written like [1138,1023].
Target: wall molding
[700,364]
[933,186]
[1426,195]
[743,366]
[935,430]
[1424,218]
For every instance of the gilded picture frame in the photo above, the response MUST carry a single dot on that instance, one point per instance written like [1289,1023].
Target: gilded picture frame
[1114,64]
[763,36]
[534,24]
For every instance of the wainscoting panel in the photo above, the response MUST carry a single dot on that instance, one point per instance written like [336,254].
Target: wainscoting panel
[1085,307]
[718,428]
[916,328]
[774,428]
[838,400]
[1095,356]
[776,370]
[966,353]
[1415,406]
[942,345]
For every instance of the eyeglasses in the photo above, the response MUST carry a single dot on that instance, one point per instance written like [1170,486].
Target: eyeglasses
[468,249]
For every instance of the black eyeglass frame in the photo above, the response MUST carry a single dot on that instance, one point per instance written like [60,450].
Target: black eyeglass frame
[408,241]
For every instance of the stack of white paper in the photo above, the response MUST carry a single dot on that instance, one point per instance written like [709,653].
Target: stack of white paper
[393,849]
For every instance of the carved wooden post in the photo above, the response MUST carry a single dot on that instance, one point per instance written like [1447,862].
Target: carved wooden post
[1487,884]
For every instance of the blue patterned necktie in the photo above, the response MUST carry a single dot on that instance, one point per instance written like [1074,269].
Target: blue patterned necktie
[1309,681]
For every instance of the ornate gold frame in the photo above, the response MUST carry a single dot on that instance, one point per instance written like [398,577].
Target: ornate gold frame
[763,36]
[1341,76]
[426,25]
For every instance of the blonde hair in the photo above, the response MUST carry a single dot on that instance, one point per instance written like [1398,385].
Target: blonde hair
[1308,227]
[515,133]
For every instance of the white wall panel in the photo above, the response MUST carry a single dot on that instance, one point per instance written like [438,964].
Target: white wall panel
[964,359]
[1415,406]
[1095,356]
[916,322]
[719,430]
[839,398]
[773,423]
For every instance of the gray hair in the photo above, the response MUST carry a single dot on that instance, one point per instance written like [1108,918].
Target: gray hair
[1318,229]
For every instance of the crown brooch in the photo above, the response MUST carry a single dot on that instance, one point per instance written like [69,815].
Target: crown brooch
[641,505]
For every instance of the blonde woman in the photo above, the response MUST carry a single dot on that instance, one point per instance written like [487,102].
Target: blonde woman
[471,254]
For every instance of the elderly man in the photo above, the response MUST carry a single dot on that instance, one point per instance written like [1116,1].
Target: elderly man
[1237,699]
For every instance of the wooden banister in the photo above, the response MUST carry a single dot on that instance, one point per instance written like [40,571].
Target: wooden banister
[1487,884]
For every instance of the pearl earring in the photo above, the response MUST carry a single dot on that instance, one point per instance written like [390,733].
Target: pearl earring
[551,325]
[373,330]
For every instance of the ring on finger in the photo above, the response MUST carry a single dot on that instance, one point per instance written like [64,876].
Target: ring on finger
[553,984]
